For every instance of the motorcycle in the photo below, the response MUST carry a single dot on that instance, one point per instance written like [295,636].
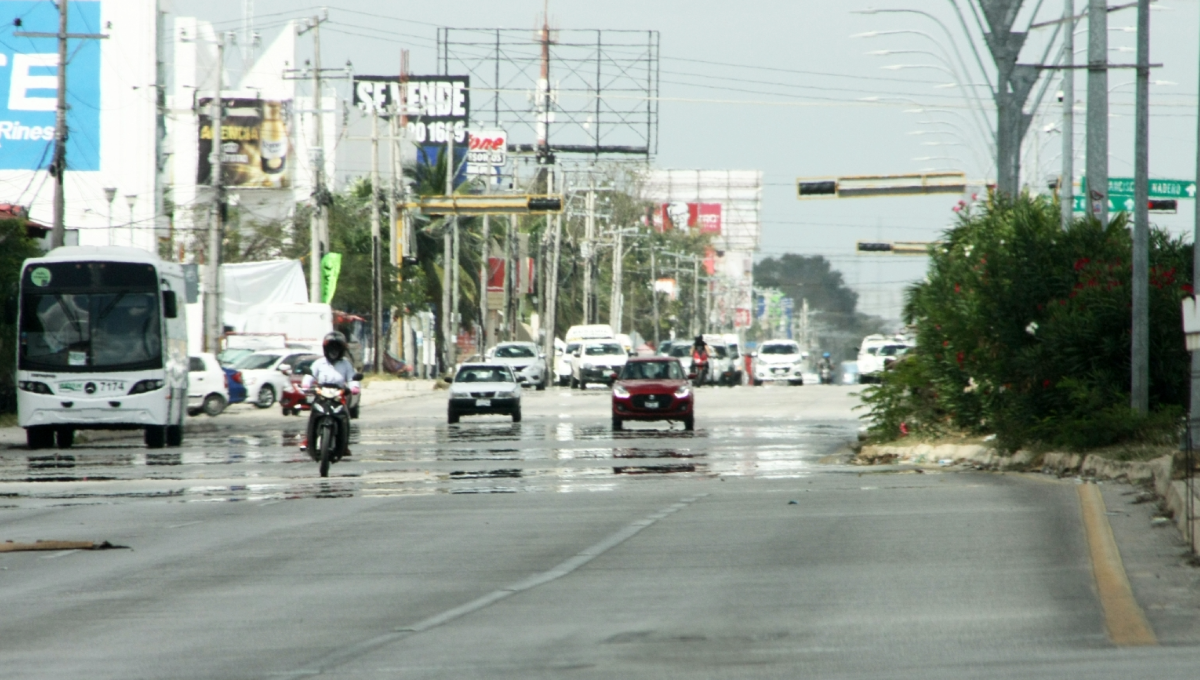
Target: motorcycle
[826,374]
[699,372]
[329,411]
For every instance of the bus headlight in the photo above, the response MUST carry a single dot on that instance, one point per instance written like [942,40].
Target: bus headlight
[143,386]
[35,387]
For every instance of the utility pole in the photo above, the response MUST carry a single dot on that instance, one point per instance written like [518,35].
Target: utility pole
[1013,84]
[376,259]
[614,305]
[212,264]
[695,296]
[1097,110]
[1139,392]
[586,248]
[58,165]
[1194,407]
[510,280]
[654,293]
[448,261]
[1066,190]
[552,282]
[318,225]
[484,270]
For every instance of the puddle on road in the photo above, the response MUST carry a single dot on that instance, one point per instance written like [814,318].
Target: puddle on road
[554,457]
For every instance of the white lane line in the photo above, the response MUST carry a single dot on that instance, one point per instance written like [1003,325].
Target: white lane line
[59,554]
[185,524]
[556,572]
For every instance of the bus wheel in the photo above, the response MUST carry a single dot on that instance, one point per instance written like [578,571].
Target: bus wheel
[156,436]
[39,437]
[64,438]
[174,435]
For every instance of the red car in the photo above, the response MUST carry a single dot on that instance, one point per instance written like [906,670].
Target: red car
[652,388]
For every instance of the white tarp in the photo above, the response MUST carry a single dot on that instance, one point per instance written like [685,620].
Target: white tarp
[248,287]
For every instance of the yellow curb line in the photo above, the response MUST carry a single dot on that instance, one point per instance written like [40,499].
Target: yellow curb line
[1124,619]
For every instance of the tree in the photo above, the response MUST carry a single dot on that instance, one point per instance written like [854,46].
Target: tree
[15,247]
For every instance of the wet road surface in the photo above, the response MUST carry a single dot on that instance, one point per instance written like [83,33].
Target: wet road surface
[547,549]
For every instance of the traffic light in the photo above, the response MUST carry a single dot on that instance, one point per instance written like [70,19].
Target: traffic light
[869,247]
[818,188]
[1164,205]
[546,204]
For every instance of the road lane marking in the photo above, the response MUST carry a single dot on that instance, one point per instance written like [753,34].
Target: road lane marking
[1123,617]
[59,554]
[558,571]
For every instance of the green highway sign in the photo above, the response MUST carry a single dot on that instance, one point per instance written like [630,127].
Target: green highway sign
[1122,187]
[1126,204]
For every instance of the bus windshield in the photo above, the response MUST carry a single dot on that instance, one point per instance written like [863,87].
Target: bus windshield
[109,325]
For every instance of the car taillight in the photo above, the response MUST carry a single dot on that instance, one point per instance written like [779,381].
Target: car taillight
[237,377]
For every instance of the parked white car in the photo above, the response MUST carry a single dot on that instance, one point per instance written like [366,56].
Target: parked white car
[207,391]
[562,364]
[263,377]
[525,360]
[779,361]
[876,353]
[597,361]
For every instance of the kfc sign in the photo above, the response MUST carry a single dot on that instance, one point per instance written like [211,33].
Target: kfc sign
[703,216]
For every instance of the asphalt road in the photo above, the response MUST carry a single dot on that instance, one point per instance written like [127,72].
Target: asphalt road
[554,549]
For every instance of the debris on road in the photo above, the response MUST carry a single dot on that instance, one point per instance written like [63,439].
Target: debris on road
[9,546]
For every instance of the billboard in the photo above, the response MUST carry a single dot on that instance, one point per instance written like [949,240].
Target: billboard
[703,216]
[435,109]
[487,151]
[29,86]
[256,147]
[112,128]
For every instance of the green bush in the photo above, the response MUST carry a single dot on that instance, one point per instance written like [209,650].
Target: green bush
[1023,330]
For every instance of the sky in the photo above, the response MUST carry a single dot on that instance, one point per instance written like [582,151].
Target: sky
[790,87]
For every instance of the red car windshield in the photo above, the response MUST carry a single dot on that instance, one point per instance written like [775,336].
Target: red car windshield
[652,370]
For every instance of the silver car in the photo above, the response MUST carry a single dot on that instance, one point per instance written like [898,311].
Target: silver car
[525,360]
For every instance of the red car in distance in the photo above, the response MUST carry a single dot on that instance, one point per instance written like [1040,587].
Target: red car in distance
[652,388]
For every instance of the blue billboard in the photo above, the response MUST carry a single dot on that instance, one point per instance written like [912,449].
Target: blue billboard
[29,84]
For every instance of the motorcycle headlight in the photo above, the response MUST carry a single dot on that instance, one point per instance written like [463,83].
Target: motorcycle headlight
[619,391]
[683,392]
[329,392]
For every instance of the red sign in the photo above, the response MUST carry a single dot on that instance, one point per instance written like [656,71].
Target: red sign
[703,216]
[741,318]
[495,281]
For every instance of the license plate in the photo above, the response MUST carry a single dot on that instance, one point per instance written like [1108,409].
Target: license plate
[483,402]
[652,404]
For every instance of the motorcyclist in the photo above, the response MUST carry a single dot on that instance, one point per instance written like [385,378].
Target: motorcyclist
[332,369]
[825,368]
[699,355]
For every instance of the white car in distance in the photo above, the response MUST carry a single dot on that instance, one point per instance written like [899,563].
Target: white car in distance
[562,364]
[262,375]
[208,392]
[779,361]
[484,389]
[525,360]
[597,361]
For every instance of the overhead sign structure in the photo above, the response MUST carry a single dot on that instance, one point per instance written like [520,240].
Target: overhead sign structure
[520,204]
[865,186]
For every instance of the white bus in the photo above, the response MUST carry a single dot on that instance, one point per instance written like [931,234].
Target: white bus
[102,344]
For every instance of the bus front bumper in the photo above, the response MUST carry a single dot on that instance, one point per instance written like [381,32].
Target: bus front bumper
[115,413]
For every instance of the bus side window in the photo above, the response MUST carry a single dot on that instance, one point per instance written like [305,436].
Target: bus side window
[170,309]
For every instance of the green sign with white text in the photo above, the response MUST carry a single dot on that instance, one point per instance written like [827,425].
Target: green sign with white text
[1122,187]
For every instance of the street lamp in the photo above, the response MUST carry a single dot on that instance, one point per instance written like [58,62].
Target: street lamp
[131,200]
[109,194]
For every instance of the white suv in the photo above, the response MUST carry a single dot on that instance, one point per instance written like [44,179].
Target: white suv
[597,361]
[779,361]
